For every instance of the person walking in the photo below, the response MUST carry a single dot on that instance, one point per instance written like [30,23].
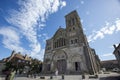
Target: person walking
[7,75]
[56,72]
[12,75]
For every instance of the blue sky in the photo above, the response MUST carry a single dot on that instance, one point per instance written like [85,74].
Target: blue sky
[26,24]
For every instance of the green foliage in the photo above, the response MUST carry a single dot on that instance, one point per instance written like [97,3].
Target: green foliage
[35,66]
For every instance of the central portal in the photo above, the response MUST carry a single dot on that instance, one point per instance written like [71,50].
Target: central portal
[60,59]
[61,66]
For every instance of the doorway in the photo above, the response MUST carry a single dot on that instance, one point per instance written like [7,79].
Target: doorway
[61,66]
[77,66]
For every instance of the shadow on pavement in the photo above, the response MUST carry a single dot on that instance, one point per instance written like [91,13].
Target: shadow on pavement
[110,78]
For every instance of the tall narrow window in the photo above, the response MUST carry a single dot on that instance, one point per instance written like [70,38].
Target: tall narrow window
[73,28]
[69,30]
[64,42]
[58,42]
[69,22]
[55,44]
[48,67]
[76,40]
[61,41]
[73,21]
[71,41]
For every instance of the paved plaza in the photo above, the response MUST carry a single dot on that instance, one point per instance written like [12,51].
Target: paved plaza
[106,76]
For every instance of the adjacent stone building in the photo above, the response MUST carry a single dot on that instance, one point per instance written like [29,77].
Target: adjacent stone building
[22,63]
[117,53]
[68,50]
[18,62]
[2,66]
[18,57]
[109,65]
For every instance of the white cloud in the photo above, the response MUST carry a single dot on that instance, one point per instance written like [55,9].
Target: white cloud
[25,20]
[63,3]
[118,24]
[43,37]
[39,55]
[84,29]
[106,55]
[81,1]
[108,29]
[10,34]
[82,20]
[11,39]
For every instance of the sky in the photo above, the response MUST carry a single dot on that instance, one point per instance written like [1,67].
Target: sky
[26,24]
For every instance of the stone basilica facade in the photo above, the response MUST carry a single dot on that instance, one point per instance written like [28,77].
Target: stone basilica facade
[68,50]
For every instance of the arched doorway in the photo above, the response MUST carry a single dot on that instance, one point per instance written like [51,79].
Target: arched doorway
[60,57]
[61,66]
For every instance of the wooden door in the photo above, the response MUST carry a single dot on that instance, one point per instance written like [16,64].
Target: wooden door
[61,66]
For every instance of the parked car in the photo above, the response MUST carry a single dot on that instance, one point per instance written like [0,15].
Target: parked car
[116,70]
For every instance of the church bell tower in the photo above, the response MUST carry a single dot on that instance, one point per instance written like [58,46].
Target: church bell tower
[74,29]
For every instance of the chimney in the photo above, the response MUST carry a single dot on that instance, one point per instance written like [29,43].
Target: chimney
[19,52]
[13,52]
[114,46]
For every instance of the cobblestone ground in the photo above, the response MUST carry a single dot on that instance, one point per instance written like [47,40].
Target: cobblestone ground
[105,76]
[70,77]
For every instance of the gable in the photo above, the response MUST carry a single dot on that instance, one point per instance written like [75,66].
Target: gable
[59,32]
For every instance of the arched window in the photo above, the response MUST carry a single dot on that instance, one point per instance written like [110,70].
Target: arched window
[59,43]
[55,44]
[72,41]
[64,42]
[73,21]
[69,30]
[76,40]
[69,22]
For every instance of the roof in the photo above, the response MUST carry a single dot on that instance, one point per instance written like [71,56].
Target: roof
[73,12]
[110,61]
[1,61]
[19,56]
[5,59]
[58,31]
